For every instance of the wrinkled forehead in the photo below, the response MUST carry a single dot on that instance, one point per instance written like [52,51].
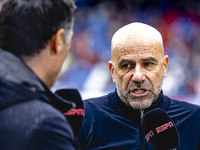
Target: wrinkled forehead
[137,37]
[138,51]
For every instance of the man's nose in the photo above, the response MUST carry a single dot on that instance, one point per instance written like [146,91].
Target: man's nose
[138,74]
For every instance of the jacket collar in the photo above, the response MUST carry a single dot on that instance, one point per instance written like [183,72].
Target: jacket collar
[18,83]
[133,114]
[21,82]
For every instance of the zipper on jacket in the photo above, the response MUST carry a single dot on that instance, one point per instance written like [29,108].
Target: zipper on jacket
[142,113]
[143,140]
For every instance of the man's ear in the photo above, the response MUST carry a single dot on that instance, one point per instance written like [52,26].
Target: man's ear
[166,61]
[112,70]
[57,41]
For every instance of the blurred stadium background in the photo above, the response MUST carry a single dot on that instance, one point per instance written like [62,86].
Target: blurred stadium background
[86,66]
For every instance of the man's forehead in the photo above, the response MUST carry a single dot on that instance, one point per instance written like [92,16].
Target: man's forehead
[136,35]
[141,59]
[127,41]
[137,50]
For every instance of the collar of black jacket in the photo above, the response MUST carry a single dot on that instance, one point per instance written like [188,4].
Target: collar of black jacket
[18,79]
[133,114]
[18,84]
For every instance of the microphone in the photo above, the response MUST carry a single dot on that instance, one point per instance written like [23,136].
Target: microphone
[159,130]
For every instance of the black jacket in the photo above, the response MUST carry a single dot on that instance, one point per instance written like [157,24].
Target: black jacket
[31,117]
[110,124]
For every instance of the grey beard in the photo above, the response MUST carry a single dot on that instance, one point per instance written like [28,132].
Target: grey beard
[139,102]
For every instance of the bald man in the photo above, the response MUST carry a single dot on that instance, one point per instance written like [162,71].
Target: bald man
[138,68]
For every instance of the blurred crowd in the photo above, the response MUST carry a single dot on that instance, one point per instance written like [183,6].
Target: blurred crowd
[86,67]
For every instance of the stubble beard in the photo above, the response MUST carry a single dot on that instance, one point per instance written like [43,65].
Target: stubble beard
[142,102]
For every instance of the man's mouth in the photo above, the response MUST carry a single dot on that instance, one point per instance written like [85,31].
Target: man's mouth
[139,92]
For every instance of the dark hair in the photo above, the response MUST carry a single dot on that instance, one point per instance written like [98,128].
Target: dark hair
[26,26]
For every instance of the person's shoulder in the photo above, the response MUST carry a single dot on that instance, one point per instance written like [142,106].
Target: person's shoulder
[41,107]
[42,113]
[185,103]
[97,101]
[187,106]
[54,127]
[39,122]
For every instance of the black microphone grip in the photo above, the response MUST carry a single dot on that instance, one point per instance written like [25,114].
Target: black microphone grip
[159,130]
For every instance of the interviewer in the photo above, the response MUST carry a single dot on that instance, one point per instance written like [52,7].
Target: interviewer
[35,37]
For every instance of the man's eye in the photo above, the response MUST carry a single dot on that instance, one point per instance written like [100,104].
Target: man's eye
[148,63]
[126,65]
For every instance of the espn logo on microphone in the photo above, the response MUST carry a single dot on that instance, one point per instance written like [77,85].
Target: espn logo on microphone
[149,135]
[164,127]
[74,111]
[159,129]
